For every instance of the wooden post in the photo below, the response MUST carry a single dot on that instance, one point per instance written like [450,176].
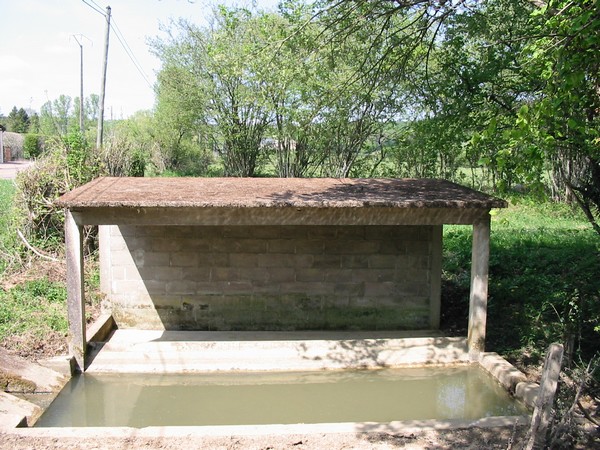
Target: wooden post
[480,258]
[75,290]
[542,414]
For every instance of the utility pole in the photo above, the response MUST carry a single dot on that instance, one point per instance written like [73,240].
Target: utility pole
[103,83]
[80,85]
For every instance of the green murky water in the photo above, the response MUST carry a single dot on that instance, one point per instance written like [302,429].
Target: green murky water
[140,400]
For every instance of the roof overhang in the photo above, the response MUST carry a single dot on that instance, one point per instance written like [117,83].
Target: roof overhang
[276,201]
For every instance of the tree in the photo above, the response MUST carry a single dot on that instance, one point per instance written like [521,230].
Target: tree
[256,75]
[17,120]
[217,68]
[563,120]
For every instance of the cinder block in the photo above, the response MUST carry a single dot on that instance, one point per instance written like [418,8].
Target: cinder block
[393,247]
[339,275]
[327,262]
[243,260]
[255,232]
[120,273]
[349,247]
[117,244]
[195,245]
[373,275]
[310,247]
[380,289]
[122,258]
[281,274]
[310,275]
[306,288]
[281,246]
[166,244]
[213,260]
[181,287]
[224,274]
[183,259]
[355,261]
[129,287]
[195,274]
[252,274]
[304,261]
[293,232]
[382,261]
[239,246]
[161,273]
[123,230]
[350,289]
[322,232]
[236,287]
[276,260]
[156,259]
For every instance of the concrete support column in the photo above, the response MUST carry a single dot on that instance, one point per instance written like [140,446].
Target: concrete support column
[435,280]
[479,286]
[75,289]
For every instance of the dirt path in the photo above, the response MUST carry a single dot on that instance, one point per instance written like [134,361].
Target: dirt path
[474,438]
[9,170]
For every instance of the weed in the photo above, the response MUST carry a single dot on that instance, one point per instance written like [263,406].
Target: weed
[543,286]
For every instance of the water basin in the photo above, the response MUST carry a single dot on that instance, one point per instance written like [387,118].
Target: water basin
[384,395]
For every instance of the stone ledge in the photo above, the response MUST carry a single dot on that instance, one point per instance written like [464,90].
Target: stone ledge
[15,412]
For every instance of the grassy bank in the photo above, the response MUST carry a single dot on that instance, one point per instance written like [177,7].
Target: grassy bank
[7,192]
[544,280]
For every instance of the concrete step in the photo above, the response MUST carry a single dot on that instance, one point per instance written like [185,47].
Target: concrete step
[15,412]
[149,351]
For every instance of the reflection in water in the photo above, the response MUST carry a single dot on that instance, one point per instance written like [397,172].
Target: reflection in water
[140,400]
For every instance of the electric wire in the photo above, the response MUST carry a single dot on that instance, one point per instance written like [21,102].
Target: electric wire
[95,7]
[128,51]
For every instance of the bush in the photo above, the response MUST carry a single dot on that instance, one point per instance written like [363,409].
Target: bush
[33,145]
[68,163]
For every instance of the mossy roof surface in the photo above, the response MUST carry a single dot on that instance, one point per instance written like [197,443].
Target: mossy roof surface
[275,193]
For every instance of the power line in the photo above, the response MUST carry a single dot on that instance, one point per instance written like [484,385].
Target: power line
[128,51]
[95,7]
[96,4]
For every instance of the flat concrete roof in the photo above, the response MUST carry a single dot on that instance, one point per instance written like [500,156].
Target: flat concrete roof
[109,192]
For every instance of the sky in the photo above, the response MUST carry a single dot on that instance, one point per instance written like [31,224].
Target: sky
[40,54]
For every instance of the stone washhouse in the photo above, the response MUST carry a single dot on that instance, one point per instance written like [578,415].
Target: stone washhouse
[273,254]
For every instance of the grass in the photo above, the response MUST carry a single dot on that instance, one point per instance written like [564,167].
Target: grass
[31,309]
[7,193]
[36,306]
[544,280]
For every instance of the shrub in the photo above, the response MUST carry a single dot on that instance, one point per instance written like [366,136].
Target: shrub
[68,163]
[33,145]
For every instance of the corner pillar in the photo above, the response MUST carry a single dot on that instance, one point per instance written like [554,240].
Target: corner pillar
[480,258]
[75,289]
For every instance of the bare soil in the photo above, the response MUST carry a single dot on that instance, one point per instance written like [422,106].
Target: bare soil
[473,438]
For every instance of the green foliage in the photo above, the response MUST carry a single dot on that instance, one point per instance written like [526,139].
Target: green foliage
[563,121]
[7,234]
[68,163]
[543,279]
[17,121]
[36,306]
[32,146]
[253,76]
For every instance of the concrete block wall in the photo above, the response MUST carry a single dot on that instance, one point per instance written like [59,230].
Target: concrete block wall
[272,277]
